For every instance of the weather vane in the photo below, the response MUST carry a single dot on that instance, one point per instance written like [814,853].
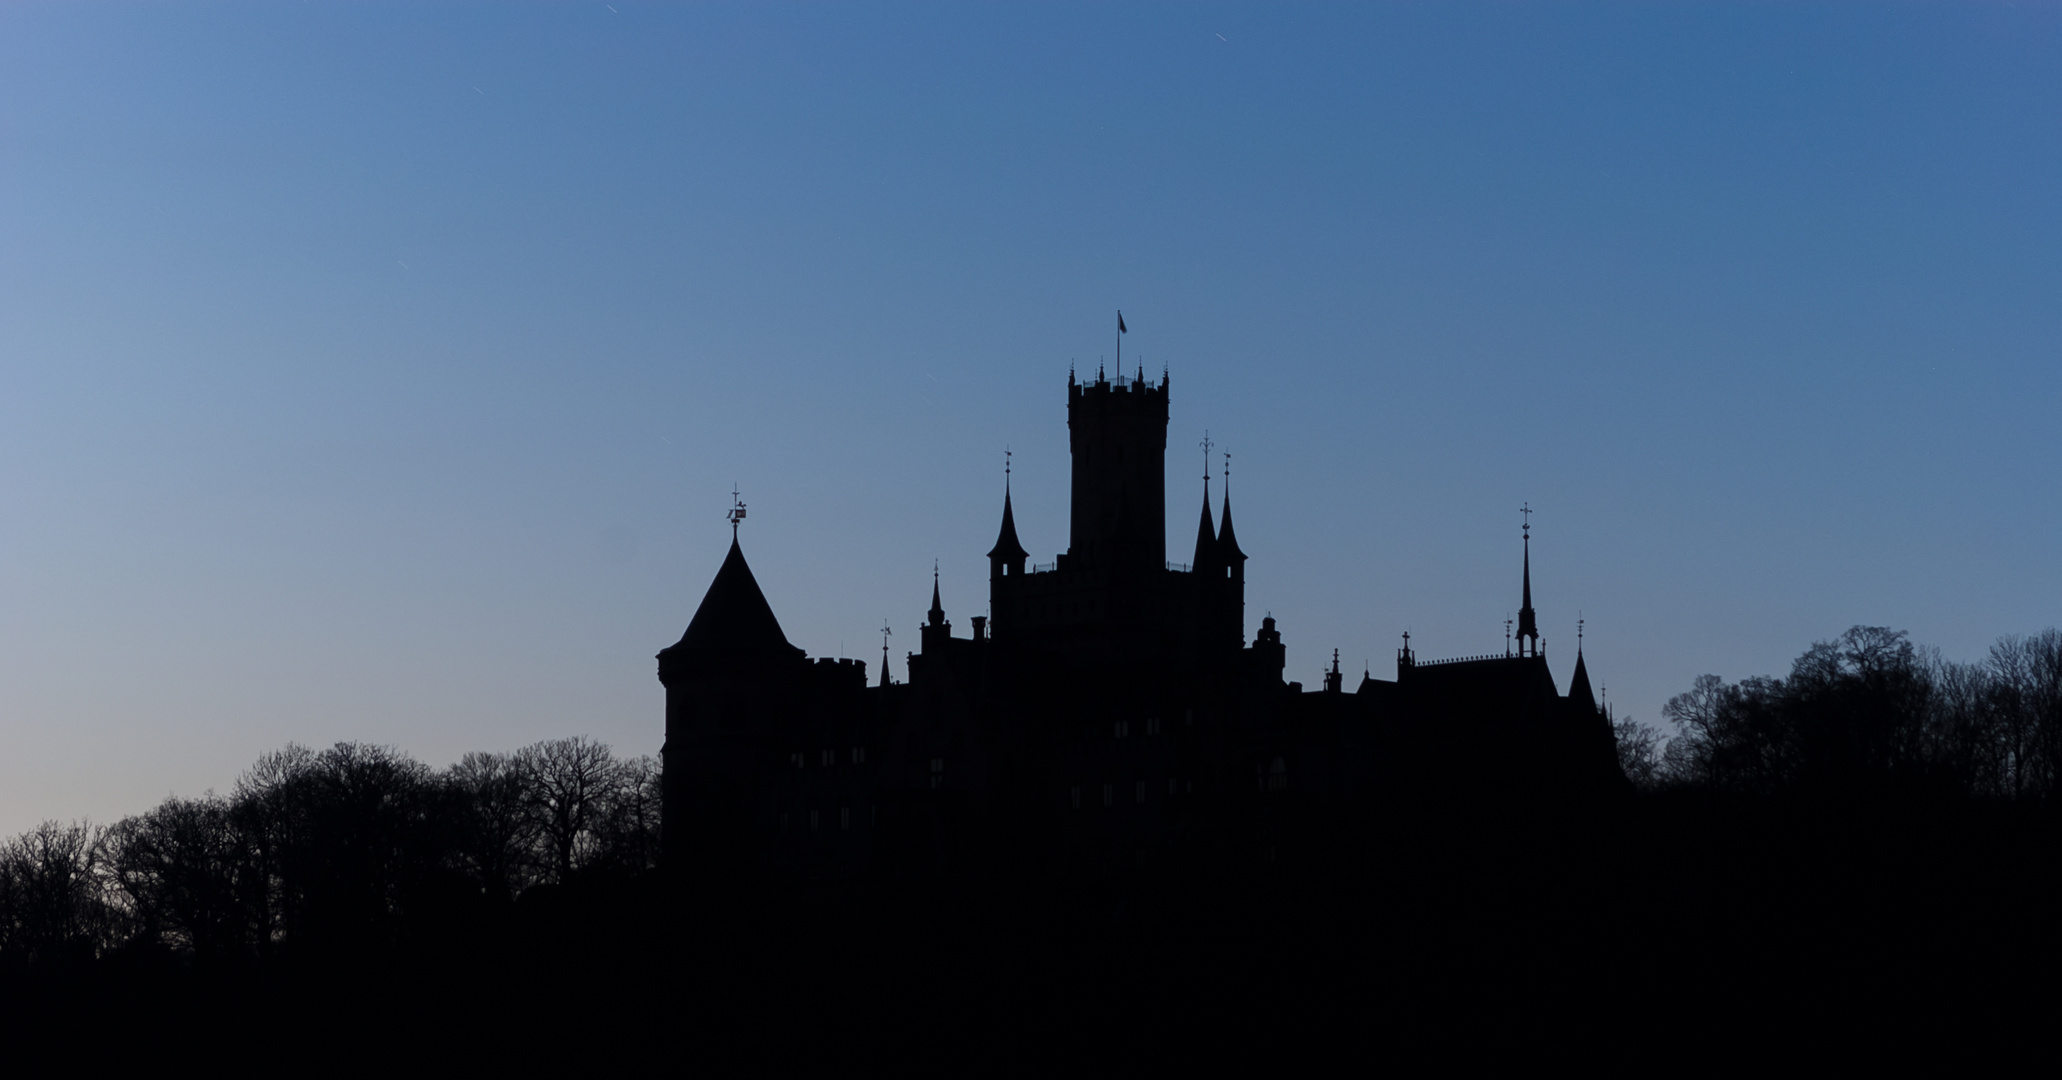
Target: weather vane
[736,513]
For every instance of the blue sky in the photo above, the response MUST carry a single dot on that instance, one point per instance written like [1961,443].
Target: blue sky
[381,372]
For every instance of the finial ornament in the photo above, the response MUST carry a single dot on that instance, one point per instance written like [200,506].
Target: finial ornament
[1227,472]
[1527,511]
[736,513]
[1206,444]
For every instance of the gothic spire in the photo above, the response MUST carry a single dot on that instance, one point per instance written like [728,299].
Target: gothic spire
[1528,622]
[1227,542]
[937,609]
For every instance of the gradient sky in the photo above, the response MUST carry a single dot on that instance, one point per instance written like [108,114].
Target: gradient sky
[381,372]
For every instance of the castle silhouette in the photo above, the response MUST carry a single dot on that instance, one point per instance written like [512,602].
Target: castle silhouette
[1108,713]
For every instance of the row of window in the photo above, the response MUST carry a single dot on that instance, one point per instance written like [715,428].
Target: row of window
[1123,727]
[815,819]
[1274,777]
[827,757]
[1138,792]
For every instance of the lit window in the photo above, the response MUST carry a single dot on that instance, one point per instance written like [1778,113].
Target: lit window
[1109,794]
[812,821]
[844,818]
[1075,796]
[1139,795]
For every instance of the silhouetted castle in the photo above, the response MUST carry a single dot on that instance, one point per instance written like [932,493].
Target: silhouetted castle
[1108,713]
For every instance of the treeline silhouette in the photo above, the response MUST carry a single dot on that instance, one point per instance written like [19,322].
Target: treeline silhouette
[1881,817]
[342,852]
[1868,714]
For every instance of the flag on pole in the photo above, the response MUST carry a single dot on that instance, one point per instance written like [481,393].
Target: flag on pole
[1120,324]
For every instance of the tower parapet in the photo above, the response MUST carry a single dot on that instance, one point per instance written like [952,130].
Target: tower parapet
[1117,431]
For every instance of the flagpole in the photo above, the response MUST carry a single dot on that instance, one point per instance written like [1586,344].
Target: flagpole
[1120,341]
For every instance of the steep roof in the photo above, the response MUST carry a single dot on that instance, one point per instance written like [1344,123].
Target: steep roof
[734,614]
[1578,687]
[1206,542]
[1006,545]
[1227,541]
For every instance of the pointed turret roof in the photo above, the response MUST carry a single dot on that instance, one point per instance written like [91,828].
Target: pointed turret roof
[734,613]
[937,609]
[1227,541]
[1579,692]
[1006,545]
[1206,537]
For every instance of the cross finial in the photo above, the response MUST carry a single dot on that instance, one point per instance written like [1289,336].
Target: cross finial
[1527,511]
[1005,465]
[1578,629]
[1227,471]
[1206,444]
[737,511]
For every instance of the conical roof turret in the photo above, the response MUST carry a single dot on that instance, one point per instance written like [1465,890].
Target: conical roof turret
[734,614]
[1227,540]
[1206,538]
[1007,547]
[1579,692]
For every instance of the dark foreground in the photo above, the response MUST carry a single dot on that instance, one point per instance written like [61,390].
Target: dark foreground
[1622,920]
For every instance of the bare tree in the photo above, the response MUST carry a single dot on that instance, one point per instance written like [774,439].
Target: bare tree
[189,878]
[1639,752]
[628,833]
[569,784]
[54,899]
[497,836]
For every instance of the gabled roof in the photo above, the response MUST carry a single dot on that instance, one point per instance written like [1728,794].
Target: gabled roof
[734,614]
[1496,689]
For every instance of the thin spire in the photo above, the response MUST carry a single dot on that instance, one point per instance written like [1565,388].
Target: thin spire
[937,609]
[885,633]
[1528,622]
